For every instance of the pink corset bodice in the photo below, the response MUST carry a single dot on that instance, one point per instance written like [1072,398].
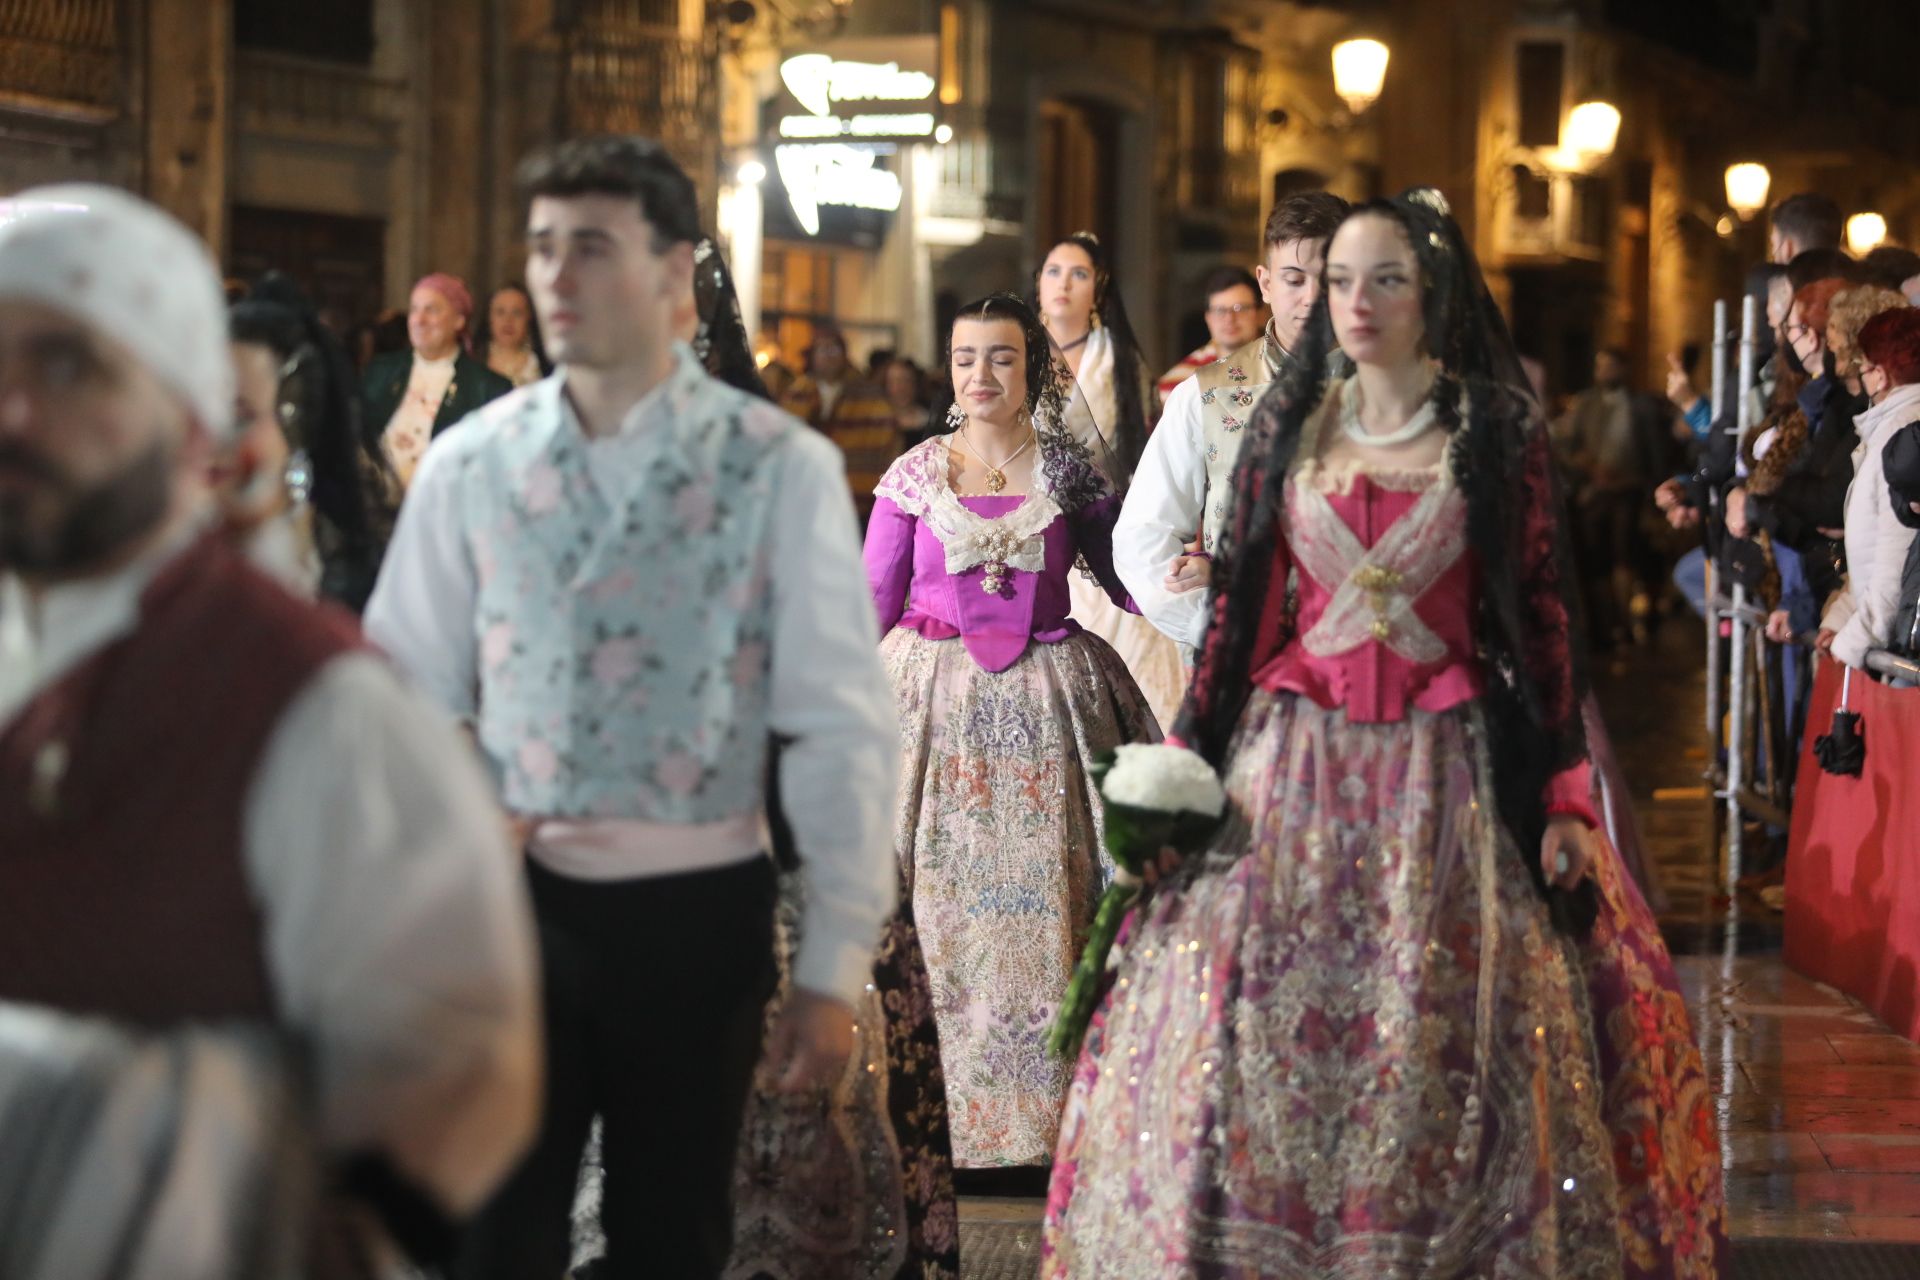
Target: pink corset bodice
[1387,594]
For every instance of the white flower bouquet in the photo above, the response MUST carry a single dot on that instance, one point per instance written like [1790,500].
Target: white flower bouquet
[1156,796]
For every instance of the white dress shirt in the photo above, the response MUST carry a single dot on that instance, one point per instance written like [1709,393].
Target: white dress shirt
[829,695]
[398,939]
[1162,514]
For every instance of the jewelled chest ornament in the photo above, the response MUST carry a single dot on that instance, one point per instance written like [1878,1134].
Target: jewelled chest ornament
[995,547]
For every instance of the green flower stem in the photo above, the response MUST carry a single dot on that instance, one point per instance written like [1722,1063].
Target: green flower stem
[1083,992]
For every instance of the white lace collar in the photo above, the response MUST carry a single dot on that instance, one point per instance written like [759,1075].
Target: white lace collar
[918,485]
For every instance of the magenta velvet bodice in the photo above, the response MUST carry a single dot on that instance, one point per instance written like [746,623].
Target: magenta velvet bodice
[928,575]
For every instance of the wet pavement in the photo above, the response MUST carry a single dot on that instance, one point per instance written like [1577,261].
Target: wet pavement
[1819,1103]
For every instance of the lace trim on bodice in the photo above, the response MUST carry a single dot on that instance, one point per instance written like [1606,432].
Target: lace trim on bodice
[1375,588]
[1336,478]
[918,485]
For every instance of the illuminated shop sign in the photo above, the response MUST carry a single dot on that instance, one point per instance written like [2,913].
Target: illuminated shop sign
[878,89]
[842,110]
[834,174]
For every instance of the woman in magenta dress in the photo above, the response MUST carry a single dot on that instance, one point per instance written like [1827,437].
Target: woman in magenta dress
[1405,1016]
[1004,703]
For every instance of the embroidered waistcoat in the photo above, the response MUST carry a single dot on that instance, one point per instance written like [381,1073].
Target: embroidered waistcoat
[1229,389]
[625,638]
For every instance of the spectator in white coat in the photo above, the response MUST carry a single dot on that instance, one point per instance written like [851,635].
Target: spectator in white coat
[1860,618]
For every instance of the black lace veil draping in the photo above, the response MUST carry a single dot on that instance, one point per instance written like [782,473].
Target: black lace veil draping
[1499,455]
[1125,438]
[721,342]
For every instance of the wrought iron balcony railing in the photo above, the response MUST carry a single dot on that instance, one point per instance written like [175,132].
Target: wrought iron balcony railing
[62,57]
[285,95]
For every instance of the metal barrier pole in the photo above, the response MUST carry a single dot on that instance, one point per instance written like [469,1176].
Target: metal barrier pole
[1714,734]
[1737,693]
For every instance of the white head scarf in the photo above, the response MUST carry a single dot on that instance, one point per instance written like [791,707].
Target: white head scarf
[128,269]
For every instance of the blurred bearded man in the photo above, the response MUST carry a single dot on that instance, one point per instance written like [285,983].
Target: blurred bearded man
[216,805]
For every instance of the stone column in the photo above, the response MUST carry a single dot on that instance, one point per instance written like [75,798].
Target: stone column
[459,153]
[189,111]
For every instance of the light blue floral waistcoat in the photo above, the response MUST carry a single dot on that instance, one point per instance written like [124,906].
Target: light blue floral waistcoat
[625,639]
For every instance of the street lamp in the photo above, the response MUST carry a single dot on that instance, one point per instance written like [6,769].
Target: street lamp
[1865,233]
[1592,130]
[1747,186]
[1359,72]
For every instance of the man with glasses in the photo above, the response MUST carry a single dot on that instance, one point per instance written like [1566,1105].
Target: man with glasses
[1235,314]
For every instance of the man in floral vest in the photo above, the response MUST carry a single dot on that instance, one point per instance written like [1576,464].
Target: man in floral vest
[626,579]
[1177,505]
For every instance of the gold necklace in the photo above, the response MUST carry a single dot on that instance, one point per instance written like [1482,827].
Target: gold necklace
[996,476]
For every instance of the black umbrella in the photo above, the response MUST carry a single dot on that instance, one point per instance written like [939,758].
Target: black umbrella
[1844,751]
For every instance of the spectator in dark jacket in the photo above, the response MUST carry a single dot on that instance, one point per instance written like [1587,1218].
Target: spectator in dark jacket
[1806,509]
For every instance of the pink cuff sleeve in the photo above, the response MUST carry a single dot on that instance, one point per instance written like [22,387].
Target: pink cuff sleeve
[1570,795]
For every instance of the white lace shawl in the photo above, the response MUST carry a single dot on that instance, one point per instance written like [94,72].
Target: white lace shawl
[917,484]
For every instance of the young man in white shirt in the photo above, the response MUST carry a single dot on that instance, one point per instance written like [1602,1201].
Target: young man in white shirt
[627,577]
[1177,504]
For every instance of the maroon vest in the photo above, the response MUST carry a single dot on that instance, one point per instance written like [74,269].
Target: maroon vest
[123,793]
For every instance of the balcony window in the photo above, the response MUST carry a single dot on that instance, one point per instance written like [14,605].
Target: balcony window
[334,31]
[1541,66]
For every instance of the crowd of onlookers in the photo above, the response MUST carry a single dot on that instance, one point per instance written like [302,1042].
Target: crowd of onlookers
[1811,510]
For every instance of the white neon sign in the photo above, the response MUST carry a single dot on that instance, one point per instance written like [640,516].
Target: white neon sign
[818,81]
[837,175]
[914,124]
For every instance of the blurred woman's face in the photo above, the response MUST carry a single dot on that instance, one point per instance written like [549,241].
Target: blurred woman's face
[900,383]
[251,484]
[1874,381]
[1374,292]
[509,318]
[1779,303]
[1808,342]
[989,368]
[1066,289]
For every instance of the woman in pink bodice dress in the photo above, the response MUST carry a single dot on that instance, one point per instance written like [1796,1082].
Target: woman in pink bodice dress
[1405,1015]
[1004,703]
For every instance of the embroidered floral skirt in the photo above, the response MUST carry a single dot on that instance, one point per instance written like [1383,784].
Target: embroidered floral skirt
[855,1185]
[1152,659]
[1348,1043]
[999,840]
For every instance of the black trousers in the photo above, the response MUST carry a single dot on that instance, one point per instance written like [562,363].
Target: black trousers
[655,993]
